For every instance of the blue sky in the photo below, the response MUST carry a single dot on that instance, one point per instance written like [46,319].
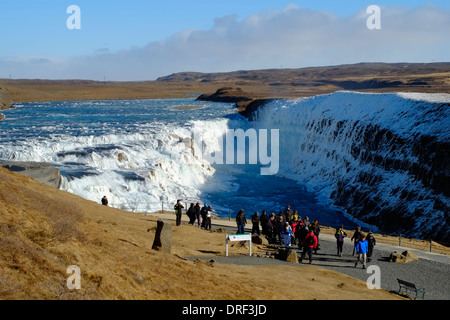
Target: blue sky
[141,40]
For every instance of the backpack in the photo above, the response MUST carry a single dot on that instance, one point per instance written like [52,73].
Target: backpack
[310,241]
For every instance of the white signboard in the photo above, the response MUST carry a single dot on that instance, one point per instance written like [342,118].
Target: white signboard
[239,237]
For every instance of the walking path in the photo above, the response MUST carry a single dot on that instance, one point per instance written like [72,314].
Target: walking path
[431,272]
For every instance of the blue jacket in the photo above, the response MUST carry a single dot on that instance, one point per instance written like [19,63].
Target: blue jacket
[362,246]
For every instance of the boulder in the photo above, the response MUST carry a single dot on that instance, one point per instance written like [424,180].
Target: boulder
[288,255]
[397,257]
[404,257]
[410,256]
[163,236]
[260,240]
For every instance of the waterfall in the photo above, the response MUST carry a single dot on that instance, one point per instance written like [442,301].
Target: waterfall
[384,158]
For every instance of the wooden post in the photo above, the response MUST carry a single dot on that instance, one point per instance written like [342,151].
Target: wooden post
[431,245]
[400,240]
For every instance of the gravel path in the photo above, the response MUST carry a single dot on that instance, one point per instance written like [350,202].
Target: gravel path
[431,272]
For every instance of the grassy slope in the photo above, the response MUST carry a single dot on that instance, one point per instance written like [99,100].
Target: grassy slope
[44,230]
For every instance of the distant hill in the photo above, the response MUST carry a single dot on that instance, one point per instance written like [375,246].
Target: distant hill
[269,83]
[361,76]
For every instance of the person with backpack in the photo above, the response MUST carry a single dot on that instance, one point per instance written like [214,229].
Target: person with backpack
[301,233]
[371,244]
[362,247]
[309,244]
[340,235]
[178,211]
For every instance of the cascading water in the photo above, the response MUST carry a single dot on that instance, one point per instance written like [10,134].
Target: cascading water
[384,158]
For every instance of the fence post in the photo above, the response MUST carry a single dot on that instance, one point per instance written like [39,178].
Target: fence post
[431,245]
[400,240]
[162,206]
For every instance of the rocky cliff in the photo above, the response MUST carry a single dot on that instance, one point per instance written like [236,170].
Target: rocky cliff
[40,171]
[4,101]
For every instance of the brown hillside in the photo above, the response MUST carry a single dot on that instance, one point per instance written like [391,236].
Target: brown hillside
[271,83]
[43,231]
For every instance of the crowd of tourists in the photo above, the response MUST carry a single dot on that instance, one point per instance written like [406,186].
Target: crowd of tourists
[286,228]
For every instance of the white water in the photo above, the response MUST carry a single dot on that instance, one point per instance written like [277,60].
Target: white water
[319,136]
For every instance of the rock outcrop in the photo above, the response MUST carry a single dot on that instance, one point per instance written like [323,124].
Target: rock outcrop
[4,101]
[40,171]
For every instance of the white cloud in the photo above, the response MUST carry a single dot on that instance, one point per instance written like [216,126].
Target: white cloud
[292,37]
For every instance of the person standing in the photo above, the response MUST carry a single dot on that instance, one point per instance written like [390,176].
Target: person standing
[178,211]
[208,218]
[104,201]
[361,249]
[340,235]
[255,223]
[263,220]
[315,227]
[203,213]
[371,244]
[191,214]
[287,214]
[241,221]
[197,213]
[287,232]
[270,228]
[309,244]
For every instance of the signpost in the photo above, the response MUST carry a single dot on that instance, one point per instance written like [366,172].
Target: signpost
[238,237]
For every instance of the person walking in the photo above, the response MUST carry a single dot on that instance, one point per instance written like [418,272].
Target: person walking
[241,221]
[340,235]
[361,249]
[178,211]
[371,244]
[355,238]
[255,223]
[309,244]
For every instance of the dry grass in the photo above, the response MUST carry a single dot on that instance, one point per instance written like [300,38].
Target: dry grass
[44,230]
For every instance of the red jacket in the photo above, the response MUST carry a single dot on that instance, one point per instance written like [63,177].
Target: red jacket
[306,241]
